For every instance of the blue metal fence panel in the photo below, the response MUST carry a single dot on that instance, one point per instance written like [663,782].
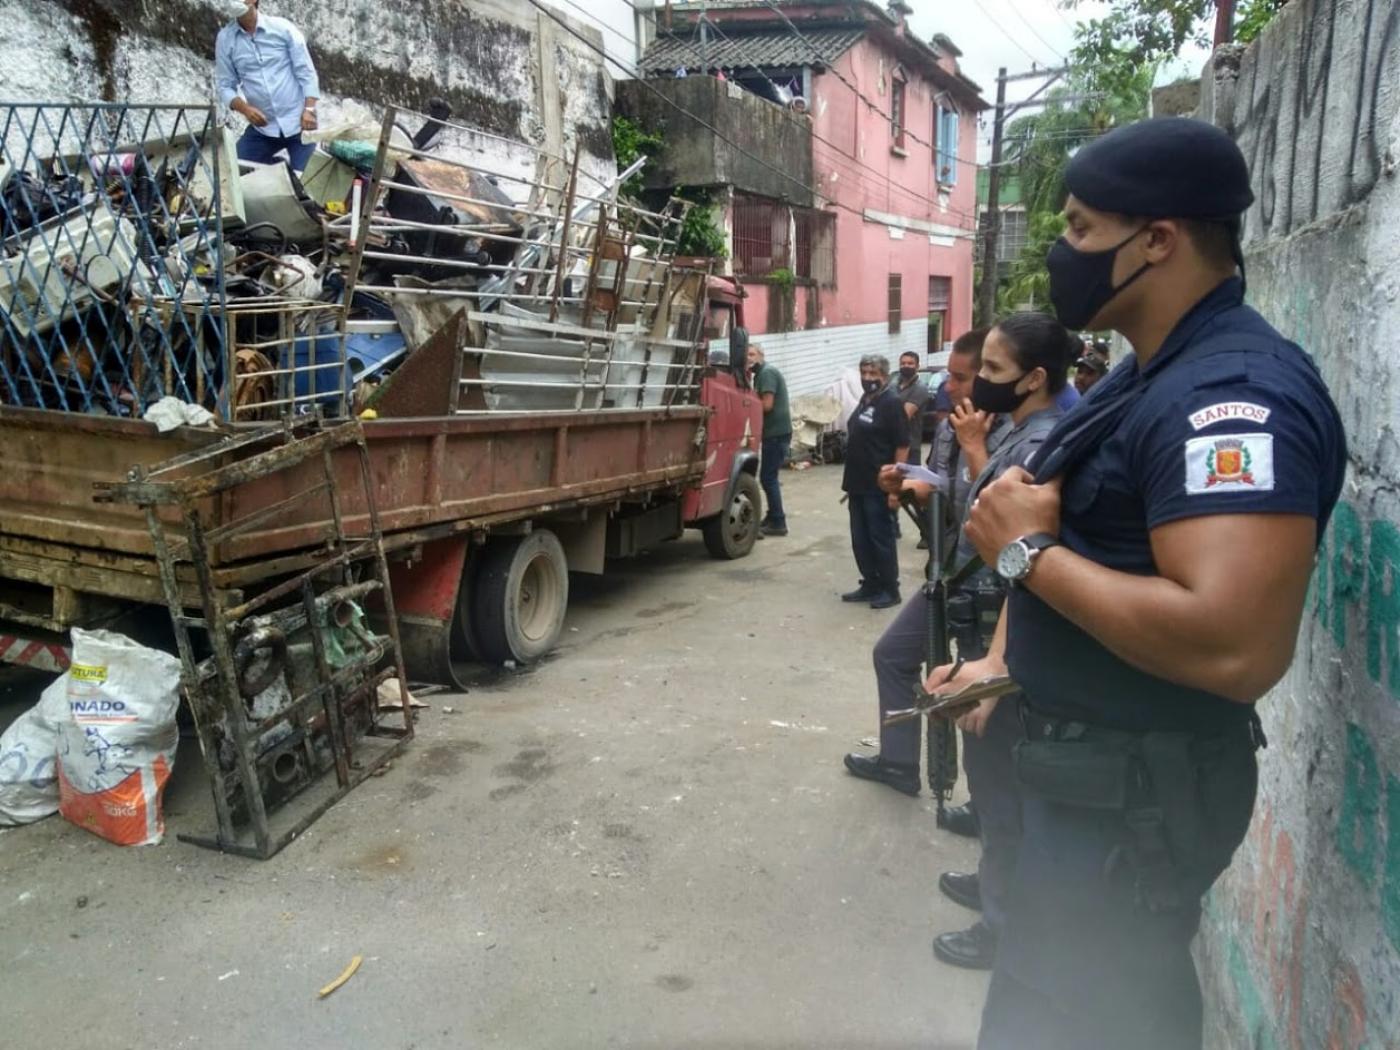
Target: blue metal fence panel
[112,257]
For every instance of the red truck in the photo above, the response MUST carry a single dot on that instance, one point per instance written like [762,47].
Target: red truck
[484,516]
[484,511]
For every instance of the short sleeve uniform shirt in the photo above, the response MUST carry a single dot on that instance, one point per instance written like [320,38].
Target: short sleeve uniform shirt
[1227,418]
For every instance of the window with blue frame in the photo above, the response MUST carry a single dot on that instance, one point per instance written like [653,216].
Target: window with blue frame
[946,165]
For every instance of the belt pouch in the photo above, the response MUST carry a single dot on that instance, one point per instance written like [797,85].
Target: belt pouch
[1087,775]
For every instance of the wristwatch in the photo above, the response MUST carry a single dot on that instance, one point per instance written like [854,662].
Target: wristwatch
[1017,558]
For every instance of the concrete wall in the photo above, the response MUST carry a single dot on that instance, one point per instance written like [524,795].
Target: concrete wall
[505,67]
[1301,947]
[761,148]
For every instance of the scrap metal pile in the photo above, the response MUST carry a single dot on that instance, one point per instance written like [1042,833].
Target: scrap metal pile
[140,260]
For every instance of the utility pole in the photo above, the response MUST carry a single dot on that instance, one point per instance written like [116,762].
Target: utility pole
[987,294]
[1224,21]
[704,40]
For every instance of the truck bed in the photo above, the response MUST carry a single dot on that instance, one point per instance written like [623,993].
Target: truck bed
[438,473]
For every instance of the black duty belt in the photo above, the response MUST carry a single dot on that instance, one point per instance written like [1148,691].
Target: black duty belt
[1039,726]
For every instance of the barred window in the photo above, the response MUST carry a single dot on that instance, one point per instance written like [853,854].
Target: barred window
[761,241]
[816,245]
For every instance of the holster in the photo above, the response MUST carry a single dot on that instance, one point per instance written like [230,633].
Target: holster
[1151,780]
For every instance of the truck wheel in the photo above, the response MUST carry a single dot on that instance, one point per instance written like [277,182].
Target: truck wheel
[732,533]
[521,593]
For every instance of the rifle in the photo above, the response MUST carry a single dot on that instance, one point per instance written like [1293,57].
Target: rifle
[942,736]
[949,619]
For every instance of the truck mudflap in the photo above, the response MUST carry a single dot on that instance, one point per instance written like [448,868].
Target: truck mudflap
[40,654]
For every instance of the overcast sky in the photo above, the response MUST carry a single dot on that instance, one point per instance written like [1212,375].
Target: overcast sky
[1016,34]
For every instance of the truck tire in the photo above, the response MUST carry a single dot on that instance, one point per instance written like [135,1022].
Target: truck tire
[521,595]
[731,533]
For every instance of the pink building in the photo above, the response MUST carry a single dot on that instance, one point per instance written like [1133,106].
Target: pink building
[844,164]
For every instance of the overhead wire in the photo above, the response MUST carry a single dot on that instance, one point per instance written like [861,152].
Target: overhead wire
[831,68]
[841,152]
[1002,29]
[558,19]
[1034,32]
[845,158]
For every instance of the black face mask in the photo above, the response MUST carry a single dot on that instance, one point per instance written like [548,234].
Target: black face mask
[908,373]
[997,397]
[1081,283]
[756,367]
[871,386]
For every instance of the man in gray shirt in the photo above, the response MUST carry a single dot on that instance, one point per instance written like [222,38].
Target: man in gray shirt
[915,394]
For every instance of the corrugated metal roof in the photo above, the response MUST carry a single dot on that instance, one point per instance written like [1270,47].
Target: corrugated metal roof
[765,49]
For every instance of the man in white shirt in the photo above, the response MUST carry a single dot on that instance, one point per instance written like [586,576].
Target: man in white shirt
[264,71]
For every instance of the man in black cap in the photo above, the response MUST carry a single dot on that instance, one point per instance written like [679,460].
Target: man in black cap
[1159,551]
[1091,366]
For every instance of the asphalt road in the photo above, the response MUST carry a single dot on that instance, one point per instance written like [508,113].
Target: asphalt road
[648,841]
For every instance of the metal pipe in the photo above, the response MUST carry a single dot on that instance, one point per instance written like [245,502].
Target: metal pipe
[524,355]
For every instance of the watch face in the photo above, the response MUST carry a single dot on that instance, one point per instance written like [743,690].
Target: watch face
[1014,561]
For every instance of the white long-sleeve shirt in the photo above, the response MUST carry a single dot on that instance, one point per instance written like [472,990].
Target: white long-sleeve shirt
[270,68]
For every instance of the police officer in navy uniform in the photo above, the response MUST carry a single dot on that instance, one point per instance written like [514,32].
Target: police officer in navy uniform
[1159,556]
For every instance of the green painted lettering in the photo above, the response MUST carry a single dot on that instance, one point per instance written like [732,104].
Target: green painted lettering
[1358,829]
[1383,607]
[1390,883]
[1348,568]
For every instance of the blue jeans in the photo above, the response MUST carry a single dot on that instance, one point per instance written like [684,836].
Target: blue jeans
[873,543]
[263,149]
[774,455]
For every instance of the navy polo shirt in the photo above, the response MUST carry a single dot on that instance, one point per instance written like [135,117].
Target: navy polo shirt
[1227,418]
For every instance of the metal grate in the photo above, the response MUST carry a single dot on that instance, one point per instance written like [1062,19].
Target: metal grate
[762,241]
[816,245]
[111,273]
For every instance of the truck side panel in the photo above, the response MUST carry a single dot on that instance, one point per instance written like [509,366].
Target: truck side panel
[426,472]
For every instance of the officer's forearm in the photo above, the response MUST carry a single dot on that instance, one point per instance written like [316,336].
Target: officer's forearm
[1155,624]
[996,649]
[976,456]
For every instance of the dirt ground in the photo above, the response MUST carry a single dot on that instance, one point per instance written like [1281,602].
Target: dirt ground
[647,841]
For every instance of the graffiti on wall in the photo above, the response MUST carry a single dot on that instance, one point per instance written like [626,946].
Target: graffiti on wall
[1265,921]
[1316,99]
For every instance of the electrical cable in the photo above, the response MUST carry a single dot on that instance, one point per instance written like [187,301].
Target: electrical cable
[831,68]
[559,20]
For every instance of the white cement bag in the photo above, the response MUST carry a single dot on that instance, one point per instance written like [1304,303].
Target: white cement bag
[29,759]
[117,740]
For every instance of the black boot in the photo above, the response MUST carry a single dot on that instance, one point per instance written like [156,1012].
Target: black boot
[961,820]
[974,948]
[894,774]
[961,889]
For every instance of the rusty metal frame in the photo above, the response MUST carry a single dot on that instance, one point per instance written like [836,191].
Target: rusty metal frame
[212,686]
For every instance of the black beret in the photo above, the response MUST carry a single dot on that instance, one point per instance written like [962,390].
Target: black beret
[1166,168]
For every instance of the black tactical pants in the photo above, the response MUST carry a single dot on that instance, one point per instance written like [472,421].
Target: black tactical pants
[1083,961]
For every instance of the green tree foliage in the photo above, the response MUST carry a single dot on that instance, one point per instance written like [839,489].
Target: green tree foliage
[1253,16]
[631,141]
[1037,148]
[1133,34]
[700,235]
